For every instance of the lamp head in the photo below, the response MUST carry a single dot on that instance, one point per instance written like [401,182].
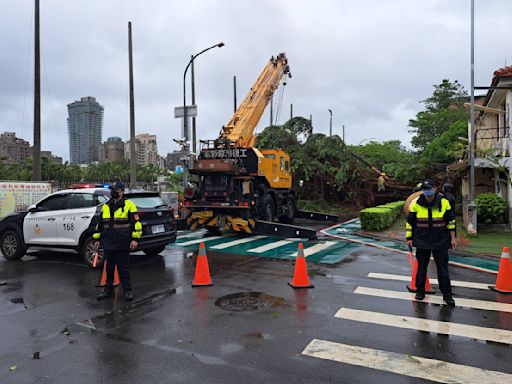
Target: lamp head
[220,45]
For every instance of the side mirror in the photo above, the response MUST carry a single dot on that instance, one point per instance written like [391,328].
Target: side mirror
[32,208]
[301,183]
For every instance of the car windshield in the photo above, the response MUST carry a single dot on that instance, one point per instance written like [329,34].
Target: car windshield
[147,201]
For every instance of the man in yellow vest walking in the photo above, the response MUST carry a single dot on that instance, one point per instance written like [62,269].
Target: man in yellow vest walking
[118,230]
[430,227]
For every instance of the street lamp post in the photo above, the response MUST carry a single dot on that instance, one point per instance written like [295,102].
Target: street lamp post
[362,141]
[185,122]
[472,219]
[185,146]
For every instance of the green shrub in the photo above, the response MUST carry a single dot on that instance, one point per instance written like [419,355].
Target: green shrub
[381,217]
[491,209]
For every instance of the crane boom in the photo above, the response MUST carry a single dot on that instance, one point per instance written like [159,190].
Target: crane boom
[239,131]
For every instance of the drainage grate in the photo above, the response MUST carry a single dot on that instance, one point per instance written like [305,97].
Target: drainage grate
[248,301]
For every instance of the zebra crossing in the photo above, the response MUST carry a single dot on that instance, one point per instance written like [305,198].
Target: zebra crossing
[409,365]
[328,252]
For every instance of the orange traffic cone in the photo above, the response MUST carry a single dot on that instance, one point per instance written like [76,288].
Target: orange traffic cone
[504,279]
[412,286]
[202,274]
[103,280]
[95,260]
[300,277]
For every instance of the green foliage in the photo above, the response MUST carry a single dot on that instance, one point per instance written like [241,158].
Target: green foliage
[381,217]
[492,209]
[392,158]
[443,109]
[447,147]
[65,173]
[320,161]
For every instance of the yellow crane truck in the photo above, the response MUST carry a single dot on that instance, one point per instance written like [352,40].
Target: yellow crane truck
[243,188]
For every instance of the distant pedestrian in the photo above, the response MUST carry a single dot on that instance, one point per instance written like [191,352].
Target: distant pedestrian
[448,194]
[430,227]
[381,183]
[118,230]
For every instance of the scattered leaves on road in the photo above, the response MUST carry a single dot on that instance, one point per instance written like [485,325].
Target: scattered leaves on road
[36,356]
[412,358]
[66,331]
[13,368]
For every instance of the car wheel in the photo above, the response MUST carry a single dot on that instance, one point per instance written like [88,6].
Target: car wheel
[292,209]
[154,251]
[11,245]
[88,252]
[269,208]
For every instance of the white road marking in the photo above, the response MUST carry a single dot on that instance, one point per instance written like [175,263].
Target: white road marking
[238,242]
[317,248]
[407,365]
[192,234]
[460,302]
[447,328]
[268,247]
[455,283]
[201,240]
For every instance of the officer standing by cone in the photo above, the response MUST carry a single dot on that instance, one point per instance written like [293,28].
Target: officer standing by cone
[119,230]
[430,227]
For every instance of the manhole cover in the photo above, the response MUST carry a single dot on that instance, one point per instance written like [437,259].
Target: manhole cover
[248,301]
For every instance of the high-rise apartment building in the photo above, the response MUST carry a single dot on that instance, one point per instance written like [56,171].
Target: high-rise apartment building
[145,149]
[173,160]
[14,149]
[112,149]
[85,125]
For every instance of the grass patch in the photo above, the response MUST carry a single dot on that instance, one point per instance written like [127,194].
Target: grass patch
[486,242]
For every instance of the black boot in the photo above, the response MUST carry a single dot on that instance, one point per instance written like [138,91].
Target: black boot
[449,301]
[420,296]
[128,295]
[105,294]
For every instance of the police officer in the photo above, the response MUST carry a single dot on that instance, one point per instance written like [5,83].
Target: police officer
[448,194]
[430,227]
[119,230]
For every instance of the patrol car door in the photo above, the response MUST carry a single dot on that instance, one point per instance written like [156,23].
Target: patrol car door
[76,219]
[39,226]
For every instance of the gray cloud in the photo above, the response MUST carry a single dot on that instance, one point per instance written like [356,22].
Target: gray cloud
[369,61]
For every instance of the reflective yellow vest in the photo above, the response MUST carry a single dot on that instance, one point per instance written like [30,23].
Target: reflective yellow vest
[429,224]
[118,225]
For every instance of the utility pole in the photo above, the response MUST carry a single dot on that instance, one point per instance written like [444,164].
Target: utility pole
[193,81]
[234,94]
[472,219]
[133,156]
[291,111]
[36,154]
[330,124]
[343,134]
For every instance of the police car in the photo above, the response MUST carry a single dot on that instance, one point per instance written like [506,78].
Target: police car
[66,220]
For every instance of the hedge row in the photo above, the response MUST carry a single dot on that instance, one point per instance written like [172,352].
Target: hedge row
[381,217]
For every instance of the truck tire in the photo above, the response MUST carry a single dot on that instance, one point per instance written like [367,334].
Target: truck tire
[154,251]
[88,251]
[292,209]
[11,245]
[269,212]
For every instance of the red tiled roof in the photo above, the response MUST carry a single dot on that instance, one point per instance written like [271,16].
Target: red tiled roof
[502,72]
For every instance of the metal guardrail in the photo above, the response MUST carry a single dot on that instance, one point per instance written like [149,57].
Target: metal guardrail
[317,216]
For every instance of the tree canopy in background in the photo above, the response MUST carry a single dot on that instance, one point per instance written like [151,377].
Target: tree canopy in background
[442,110]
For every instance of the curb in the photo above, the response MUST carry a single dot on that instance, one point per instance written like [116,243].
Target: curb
[454,263]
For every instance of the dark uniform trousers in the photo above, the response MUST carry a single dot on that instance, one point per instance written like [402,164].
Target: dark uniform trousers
[121,258]
[441,259]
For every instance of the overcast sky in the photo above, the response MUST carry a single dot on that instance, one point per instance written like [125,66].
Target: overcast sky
[370,61]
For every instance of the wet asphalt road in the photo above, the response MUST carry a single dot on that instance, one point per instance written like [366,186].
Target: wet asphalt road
[173,333]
